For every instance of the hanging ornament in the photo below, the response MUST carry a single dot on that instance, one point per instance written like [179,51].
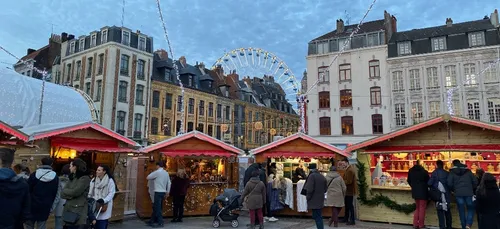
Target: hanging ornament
[272,131]
[258,125]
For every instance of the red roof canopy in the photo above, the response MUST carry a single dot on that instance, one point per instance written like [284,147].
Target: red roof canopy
[84,144]
[13,132]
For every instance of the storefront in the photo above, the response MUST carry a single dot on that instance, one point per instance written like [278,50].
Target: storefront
[293,154]
[212,166]
[385,195]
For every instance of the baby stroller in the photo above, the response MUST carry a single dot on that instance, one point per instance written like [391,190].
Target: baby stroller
[223,207]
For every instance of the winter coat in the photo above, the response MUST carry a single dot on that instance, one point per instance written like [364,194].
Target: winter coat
[15,199]
[461,181]
[336,190]
[75,192]
[256,192]
[179,186]
[440,175]
[351,181]
[488,206]
[316,189]
[44,187]
[249,171]
[63,180]
[417,179]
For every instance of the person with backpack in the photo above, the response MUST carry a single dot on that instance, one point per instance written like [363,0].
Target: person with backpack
[439,184]
[418,178]
[102,190]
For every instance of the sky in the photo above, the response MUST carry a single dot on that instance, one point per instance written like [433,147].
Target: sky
[203,30]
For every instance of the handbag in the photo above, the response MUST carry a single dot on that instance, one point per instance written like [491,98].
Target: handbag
[246,197]
[435,194]
[71,217]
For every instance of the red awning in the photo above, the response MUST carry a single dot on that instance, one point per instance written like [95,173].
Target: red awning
[109,149]
[83,144]
[198,153]
[404,149]
[299,154]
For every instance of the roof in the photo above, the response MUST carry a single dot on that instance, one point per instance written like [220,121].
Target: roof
[299,136]
[20,101]
[443,30]
[430,122]
[6,128]
[192,134]
[54,129]
[367,27]
[34,54]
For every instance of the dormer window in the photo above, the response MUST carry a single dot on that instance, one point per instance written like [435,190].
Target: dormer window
[72,47]
[104,36]
[93,40]
[476,39]
[438,44]
[404,48]
[126,38]
[81,46]
[190,80]
[142,43]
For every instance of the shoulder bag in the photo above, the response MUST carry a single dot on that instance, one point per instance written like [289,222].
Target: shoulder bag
[246,197]
[327,187]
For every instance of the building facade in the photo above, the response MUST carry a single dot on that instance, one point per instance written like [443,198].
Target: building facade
[424,64]
[112,66]
[350,100]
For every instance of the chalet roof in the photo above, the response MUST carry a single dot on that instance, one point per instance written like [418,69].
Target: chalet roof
[12,131]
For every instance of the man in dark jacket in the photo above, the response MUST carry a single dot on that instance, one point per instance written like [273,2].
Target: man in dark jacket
[316,188]
[44,187]
[14,193]
[249,171]
[463,183]
[417,179]
[441,176]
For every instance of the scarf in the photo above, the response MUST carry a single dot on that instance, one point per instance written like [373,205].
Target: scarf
[99,187]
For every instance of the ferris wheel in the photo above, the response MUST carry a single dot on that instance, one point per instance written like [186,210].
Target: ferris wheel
[258,62]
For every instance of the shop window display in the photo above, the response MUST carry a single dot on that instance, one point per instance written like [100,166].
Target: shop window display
[200,170]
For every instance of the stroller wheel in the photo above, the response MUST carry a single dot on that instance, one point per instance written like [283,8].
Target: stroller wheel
[235,223]
[216,223]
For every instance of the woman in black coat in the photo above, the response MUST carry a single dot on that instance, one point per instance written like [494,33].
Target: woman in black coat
[417,179]
[488,202]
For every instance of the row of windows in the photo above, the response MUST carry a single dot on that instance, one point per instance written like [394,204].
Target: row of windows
[166,129]
[346,98]
[439,43]
[336,44]
[345,72]
[450,76]
[122,92]
[347,124]
[121,116]
[125,40]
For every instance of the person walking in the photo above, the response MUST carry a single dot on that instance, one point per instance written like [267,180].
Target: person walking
[439,181]
[180,185]
[351,183]
[488,202]
[58,211]
[44,192]
[254,195]
[418,178]
[14,194]
[335,194]
[102,190]
[315,188]
[161,183]
[463,183]
[75,193]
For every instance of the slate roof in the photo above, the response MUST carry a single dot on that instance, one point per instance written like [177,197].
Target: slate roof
[367,27]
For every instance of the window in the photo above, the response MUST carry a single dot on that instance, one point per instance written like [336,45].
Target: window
[372,40]
[358,42]
[93,40]
[490,74]
[81,45]
[415,79]
[457,108]
[190,126]
[142,43]
[104,36]
[324,126]
[168,77]
[140,69]
[98,90]
[345,72]
[323,47]
[210,109]
[438,44]
[334,45]
[72,47]
[219,111]
[177,127]
[139,95]
[375,96]
[168,101]
[324,99]
[450,75]
[89,67]
[154,125]
[434,109]
[210,130]
[124,65]
[404,48]
[126,38]
[228,112]
[217,132]
[374,66]
[167,131]
[77,86]
[68,75]
[347,125]
[137,123]
[346,42]
[417,113]
[122,92]
[191,106]
[377,124]
[473,109]
[28,73]
[201,109]
[179,103]
[190,80]
[101,64]
[494,109]
[399,110]
[323,75]
[470,74]
[156,99]
[432,78]
[346,98]
[476,39]
[120,124]
[78,70]
[87,88]
[397,81]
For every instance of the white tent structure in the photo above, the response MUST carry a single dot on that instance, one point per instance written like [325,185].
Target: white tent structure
[20,99]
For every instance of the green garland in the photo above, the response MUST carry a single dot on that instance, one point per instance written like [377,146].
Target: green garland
[378,198]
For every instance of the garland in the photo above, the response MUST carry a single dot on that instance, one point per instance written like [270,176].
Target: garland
[378,198]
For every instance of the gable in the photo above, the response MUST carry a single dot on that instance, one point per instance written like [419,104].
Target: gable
[88,133]
[192,144]
[299,145]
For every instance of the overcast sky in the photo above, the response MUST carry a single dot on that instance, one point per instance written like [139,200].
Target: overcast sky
[202,30]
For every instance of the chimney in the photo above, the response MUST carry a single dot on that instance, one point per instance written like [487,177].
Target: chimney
[340,26]
[30,51]
[162,54]
[394,24]
[182,60]
[64,37]
[71,37]
[449,22]
[494,18]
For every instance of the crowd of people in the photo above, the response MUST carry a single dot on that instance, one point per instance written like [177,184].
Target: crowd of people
[474,194]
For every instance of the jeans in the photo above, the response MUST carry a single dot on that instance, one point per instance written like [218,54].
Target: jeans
[444,219]
[419,214]
[465,203]
[257,212]
[317,215]
[157,216]
[179,207]
[31,224]
[101,224]
[349,214]
[58,222]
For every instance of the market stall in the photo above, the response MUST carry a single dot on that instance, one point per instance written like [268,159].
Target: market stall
[10,136]
[295,153]
[384,162]
[211,165]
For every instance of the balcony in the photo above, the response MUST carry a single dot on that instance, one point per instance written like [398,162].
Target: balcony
[140,75]
[124,72]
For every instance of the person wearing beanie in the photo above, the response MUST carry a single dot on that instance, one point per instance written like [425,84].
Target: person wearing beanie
[75,193]
[335,194]
[316,188]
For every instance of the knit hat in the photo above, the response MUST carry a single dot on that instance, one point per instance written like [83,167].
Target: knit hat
[312,166]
